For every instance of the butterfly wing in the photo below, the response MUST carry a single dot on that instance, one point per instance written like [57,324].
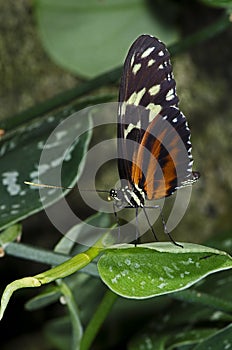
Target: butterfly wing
[153,136]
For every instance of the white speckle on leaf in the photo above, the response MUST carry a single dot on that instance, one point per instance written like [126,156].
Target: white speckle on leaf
[197,264]
[10,181]
[136,265]
[162,285]
[2,207]
[216,316]
[128,262]
[175,266]
[116,278]
[14,212]
[40,145]
[187,262]
[124,273]
[51,191]
[22,193]
[182,275]
[57,162]
[130,278]
[15,206]
[3,150]
[61,134]
[168,271]
[68,153]
[227,344]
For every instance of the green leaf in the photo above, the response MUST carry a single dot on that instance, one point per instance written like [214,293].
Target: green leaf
[158,268]
[89,37]
[10,234]
[218,3]
[20,161]
[188,337]
[206,299]
[47,297]
[170,340]
[220,340]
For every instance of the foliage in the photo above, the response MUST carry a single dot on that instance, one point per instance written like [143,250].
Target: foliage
[66,27]
[151,280]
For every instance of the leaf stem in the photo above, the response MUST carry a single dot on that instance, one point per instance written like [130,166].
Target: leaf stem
[98,319]
[70,266]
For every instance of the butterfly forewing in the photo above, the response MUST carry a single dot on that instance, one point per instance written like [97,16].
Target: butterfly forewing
[153,136]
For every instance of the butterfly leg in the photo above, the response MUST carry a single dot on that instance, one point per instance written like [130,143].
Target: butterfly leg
[164,225]
[137,223]
[149,223]
[137,227]
[166,230]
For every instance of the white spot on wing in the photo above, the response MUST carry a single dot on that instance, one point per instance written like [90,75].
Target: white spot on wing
[147,52]
[155,109]
[136,68]
[170,95]
[161,53]
[132,60]
[131,127]
[154,90]
[150,62]
[136,97]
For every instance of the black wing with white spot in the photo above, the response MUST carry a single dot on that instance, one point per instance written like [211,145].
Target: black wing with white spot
[149,117]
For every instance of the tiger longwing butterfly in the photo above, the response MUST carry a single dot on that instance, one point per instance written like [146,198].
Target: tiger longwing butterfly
[154,148]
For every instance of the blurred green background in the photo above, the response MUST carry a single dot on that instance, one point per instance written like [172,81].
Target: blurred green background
[47,47]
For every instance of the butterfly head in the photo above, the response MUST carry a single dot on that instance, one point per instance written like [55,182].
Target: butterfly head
[116,195]
[127,197]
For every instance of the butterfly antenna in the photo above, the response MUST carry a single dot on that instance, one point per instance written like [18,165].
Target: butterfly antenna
[47,186]
[61,187]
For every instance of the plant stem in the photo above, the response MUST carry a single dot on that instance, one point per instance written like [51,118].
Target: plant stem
[98,319]
[74,314]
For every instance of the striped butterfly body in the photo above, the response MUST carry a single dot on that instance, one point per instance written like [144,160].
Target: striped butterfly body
[154,148]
